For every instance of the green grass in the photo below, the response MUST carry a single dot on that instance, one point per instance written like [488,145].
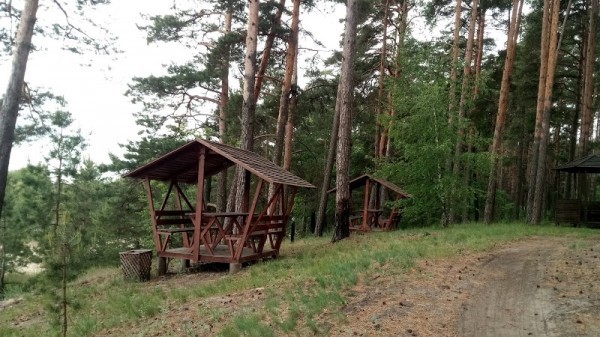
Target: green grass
[311,277]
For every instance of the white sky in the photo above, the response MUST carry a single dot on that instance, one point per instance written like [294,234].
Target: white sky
[96,97]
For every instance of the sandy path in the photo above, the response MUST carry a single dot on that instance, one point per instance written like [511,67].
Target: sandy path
[536,288]
[512,302]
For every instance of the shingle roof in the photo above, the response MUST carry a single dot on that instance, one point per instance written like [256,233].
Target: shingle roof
[362,181]
[182,164]
[588,164]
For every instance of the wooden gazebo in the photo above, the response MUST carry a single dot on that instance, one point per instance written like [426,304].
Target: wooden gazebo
[373,216]
[187,229]
[578,210]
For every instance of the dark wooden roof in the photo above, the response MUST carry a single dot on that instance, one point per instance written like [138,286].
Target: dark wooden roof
[588,164]
[181,164]
[362,181]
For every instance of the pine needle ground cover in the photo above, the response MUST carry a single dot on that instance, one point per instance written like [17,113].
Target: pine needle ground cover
[302,293]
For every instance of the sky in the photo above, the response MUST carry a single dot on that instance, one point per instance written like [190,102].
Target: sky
[95,94]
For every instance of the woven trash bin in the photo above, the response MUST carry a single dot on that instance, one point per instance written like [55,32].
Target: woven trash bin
[136,264]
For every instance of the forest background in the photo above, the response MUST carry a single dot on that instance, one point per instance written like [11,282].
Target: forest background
[470,128]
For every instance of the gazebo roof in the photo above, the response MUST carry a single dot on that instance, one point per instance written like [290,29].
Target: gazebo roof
[588,164]
[182,163]
[362,181]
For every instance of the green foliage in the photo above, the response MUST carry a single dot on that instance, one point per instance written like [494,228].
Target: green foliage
[421,137]
[25,216]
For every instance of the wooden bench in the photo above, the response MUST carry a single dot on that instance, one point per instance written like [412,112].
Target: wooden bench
[392,221]
[169,222]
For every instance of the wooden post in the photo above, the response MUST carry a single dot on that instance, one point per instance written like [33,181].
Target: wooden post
[199,205]
[185,264]
[152,215]
[234,267]
[366,205]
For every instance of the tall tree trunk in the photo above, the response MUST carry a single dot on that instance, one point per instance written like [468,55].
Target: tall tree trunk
[342,196]
[511,47]
[588,80]
[10,104]
[286,87]
[266,56]
[464,95]
[64,302]
[335,127]
[538,198]
[535,145]
[249,106]
[447,215]
[287,92]
[454,62]
[223,104]
[380,134]
[479,54]
[289,126]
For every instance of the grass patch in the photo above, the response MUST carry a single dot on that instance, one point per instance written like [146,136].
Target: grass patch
[312,278]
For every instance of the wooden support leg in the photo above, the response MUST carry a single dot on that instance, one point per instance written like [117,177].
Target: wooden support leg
[162,266]
[234,268]
[185,265]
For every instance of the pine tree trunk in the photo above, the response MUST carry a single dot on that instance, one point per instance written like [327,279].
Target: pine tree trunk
[342,201]
[462,106]
[380,134]
[64,301]
[454,62]
[588,80]
[320,224]
[535,146]
[10,104]
[511,44]
[249,105]
[538,197]
[286,87]
[223,104]
[266,56]
[479,54]
[289,126]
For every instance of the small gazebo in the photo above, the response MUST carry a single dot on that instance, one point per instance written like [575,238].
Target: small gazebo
[373,216]
[578,210]
[184,227]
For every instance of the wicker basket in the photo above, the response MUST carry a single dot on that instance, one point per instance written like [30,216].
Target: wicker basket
[136,264]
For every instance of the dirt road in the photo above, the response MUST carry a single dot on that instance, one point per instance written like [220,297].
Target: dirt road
[536,287]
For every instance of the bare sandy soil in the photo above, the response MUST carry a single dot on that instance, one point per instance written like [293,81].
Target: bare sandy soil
[534,287]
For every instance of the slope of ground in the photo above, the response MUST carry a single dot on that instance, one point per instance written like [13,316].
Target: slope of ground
[502,280]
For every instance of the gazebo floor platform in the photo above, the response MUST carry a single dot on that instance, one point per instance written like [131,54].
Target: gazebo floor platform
[220,254]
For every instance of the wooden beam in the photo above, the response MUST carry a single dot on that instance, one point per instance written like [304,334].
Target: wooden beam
[152,214]
[187,201]
[186,239]
[240,243]
[162,207]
